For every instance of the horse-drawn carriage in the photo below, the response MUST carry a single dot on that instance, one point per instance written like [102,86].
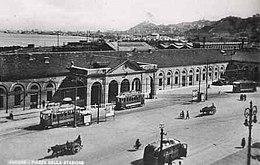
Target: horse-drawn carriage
[211,110]
[67,148]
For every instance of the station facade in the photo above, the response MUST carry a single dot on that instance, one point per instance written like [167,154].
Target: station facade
[97,78]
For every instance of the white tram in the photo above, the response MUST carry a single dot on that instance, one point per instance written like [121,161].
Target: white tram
[129,99]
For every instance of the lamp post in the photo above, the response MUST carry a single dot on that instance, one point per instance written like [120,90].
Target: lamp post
[249,113]
[199,95]
[206,96]
[75,108]
[161,126]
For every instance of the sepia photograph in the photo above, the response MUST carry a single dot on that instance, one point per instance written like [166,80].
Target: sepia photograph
[129,82]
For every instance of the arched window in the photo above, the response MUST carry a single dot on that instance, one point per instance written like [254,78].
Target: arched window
[17,95]
[204,74]
[2,95]
[197,74]
[49,89]
[169,78]
[210,73]
[112,91]
[176,79]
[191,77]
[160,79]
[184,76]
[125,86]
[34,87]
[96,94]
[216,73]
[136,84]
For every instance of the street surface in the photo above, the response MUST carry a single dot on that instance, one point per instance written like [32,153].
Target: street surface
[209,138]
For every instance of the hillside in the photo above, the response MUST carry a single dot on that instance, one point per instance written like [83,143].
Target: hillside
[231,28]
[227,29]
[148,27]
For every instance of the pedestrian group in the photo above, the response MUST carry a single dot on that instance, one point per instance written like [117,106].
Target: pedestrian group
[243,97]
[187,115]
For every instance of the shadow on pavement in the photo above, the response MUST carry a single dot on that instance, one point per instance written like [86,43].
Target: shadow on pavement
[54,156]
[138,162]
[239,147]
[34,128]
[201,115]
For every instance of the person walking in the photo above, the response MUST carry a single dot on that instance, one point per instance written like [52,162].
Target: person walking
[43,104]
[182,115]
[243,142]
[241,97]
[187,115]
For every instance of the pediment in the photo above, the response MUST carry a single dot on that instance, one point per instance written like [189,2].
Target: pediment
[126,67]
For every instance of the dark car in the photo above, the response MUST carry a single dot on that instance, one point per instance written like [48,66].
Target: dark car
[219,82]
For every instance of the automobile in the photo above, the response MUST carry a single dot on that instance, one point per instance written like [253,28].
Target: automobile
[219,82]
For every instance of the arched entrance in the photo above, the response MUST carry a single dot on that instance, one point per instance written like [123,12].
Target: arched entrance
[72,87]
[112,91]
[34,96]
[96,93]
[160,79]
[3,97]
[152,90]
[136,85]
[50,89]
[125,86]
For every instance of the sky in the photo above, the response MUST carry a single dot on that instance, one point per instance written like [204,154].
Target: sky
[84,15]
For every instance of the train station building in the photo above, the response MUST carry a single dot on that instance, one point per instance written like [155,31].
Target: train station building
[28,79]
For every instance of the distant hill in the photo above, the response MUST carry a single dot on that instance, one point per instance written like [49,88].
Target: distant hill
[229,28]
[147,27]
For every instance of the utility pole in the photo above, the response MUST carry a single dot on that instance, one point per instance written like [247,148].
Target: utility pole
[58,38]
[199,95]
[99,95]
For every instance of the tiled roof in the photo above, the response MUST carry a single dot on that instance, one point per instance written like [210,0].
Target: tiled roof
[176,45]
[22,66]
[247,55]
[130,46]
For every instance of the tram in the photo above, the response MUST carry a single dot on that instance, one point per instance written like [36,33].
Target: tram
[129,99]
[244,86]
[57,114]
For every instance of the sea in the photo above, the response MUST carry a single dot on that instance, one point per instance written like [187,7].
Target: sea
[10,39]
